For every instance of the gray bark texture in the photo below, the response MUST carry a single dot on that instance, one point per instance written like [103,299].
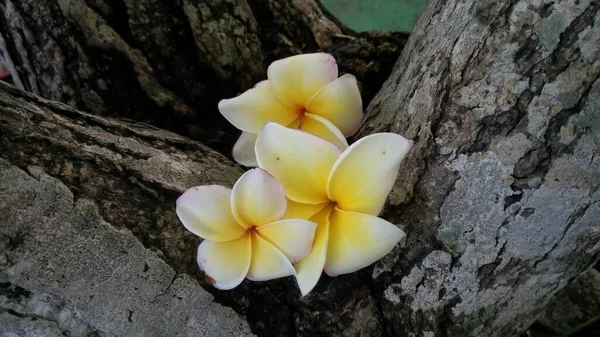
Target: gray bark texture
[168,63]
[500,192]
[499,196]
[71,257]
[67,272]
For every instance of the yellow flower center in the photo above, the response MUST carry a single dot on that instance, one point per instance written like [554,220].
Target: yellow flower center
[301,116]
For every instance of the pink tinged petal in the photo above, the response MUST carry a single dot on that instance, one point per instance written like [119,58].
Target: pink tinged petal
[296,210]
[268,262]
[206,212]
[340,103]
[299,160]
[323,128]
[293,237]
[257,199]
[309,270]
[243,150]
[365,173]
[357,240]
[251,110]
[225,263]
[296,79]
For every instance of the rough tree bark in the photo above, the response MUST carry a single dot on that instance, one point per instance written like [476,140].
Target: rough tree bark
[500,192]
[168,63]
[66,272]
[499,196]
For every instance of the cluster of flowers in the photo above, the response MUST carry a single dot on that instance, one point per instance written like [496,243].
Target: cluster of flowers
[312,203]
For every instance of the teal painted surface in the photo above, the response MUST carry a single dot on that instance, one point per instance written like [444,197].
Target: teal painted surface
[364,15]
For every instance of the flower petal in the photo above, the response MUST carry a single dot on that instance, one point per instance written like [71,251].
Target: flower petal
[226,263]
[309,270]
[251,110]
[296,123]
[268,262]
[297,78]
[323,128]
[299,160]
[296,210]
[365,173]
[293,237]
[257,199]
[356,240]
[243,150]
[340,103]
[206,212]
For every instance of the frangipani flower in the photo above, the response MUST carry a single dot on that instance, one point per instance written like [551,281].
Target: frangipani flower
[302,92]
[343,192]
[242,231]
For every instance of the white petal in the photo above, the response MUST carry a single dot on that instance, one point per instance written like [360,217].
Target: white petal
[299,160]
[251,110]
[225,263]
[268,262]
[257,199]
[296,79]
[243,150]
[364,174]
[356,240]
[323,128]
[293,237]
[309,270]
[339,102]
[206,212]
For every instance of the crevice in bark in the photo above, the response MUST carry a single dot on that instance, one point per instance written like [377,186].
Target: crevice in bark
[114,12]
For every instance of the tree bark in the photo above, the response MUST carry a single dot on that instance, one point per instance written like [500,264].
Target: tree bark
[168,63]
[133,172]
[500,192]
[499,196]
[64,271]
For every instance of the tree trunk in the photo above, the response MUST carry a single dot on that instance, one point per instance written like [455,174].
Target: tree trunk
[500,192]
[499,196]
[168,63]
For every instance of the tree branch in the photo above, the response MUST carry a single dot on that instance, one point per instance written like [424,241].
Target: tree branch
[133,172]
[168,63]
